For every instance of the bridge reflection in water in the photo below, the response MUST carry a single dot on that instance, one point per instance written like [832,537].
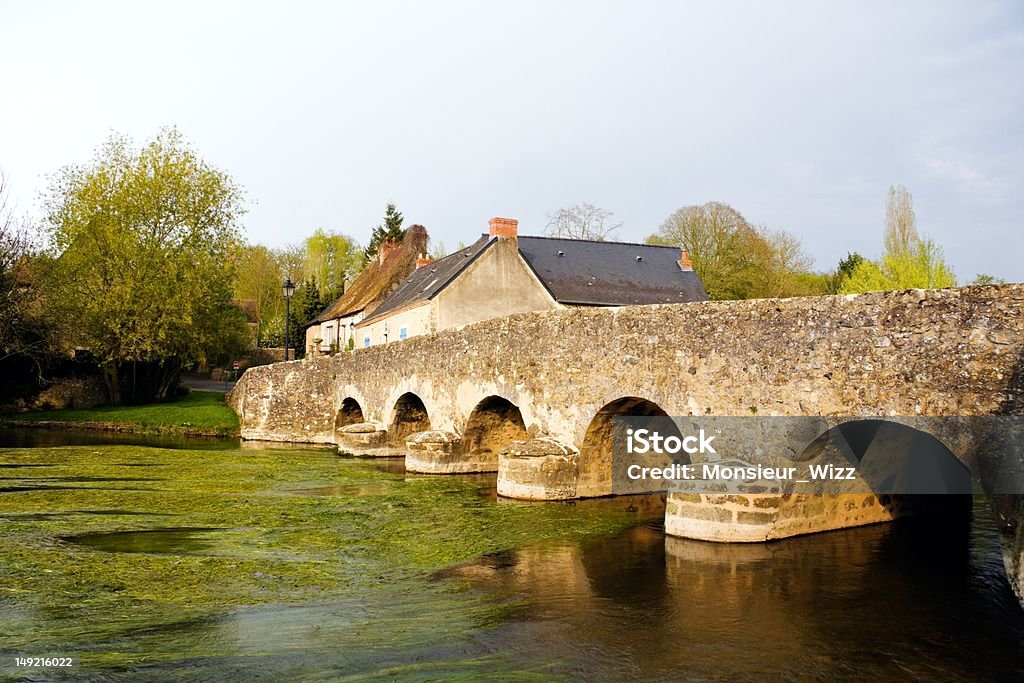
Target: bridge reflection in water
[909,599]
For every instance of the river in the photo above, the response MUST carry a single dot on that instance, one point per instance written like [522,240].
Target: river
[209,561]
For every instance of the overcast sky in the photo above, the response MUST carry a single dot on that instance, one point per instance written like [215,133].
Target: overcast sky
[800,115]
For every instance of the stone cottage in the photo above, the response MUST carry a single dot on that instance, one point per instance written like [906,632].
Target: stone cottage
[504,273]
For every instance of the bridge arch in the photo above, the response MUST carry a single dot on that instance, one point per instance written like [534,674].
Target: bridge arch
[910,471]
[350,412]
[493,423]
[408,416]
[595,460]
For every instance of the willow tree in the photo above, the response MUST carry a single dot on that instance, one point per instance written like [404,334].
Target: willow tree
[331,258]
[143,240]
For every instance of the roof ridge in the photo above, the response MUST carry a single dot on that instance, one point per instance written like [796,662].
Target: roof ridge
[573,239]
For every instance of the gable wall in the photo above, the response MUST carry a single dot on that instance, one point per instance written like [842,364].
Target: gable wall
[497,284]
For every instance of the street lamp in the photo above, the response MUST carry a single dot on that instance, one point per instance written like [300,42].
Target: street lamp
[288,288]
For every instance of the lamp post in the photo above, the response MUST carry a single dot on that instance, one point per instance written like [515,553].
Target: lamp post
[288,288]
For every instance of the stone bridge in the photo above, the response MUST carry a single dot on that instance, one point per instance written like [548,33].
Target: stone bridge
[541,389]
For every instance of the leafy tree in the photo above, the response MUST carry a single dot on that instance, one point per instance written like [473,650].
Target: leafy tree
[736,260]
[390,230]
[849,264]
[909,260]
[721,244]
[582,222]
[258,279]
[986,279]
[143,240]
[331,259]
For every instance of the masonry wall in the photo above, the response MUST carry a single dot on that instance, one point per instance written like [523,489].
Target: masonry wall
[417,320]
[937,352]
[497,284]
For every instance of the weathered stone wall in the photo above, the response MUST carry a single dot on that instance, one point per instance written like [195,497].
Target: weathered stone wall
[937,352]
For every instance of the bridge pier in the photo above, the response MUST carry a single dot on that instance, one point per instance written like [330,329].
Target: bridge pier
[541,468]
[366,439]
[440,452]
[752,518]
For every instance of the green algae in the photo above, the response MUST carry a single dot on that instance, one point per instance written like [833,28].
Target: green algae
[276,527]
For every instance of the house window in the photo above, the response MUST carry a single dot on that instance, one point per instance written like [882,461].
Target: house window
[366,342]
[403,332]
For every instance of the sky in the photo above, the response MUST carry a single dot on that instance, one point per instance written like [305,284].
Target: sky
[798,114]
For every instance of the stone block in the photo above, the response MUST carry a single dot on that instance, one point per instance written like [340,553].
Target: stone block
[367,440]
[541,468]
[440,452]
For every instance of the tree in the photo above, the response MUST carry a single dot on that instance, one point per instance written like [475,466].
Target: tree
[143,240]
[986,279]
[734,259]
[901,236]
[849,264]
[258,279]
[331,259]
[26,333]
[390,230]
[909,261]
[722,245]
[582,222]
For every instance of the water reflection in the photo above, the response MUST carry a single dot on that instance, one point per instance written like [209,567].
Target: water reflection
[908,599]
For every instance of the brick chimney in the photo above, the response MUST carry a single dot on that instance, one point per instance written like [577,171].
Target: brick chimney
[504,227]
[385,248]
[684,261]
[423,261]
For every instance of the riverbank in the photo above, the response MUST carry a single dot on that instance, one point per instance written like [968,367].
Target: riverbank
[199,413]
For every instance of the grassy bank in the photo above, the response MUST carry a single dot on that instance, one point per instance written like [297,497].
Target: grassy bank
[199,413]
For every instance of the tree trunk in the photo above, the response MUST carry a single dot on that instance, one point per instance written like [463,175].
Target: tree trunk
[170,375]
[112,378]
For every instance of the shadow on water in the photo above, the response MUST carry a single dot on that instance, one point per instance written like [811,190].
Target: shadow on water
[26,437]
[35,516]
[170,541]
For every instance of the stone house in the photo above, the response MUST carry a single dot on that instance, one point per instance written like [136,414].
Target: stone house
[503,273]
[334,326]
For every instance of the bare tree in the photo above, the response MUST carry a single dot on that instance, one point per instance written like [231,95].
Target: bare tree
[582,222]
[23,330]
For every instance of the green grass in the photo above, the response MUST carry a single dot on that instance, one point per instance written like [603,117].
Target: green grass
[199,412]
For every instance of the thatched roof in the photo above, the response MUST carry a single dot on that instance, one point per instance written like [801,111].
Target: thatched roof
[380,277]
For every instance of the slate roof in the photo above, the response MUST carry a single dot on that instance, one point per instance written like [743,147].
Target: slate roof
[587,272]
[580,272]
[425,283]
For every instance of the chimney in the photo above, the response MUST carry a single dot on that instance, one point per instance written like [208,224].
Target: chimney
[684,261]
[504,227]
[385,248]
[422,261]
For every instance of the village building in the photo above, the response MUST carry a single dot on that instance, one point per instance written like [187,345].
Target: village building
[504,273]
[335,325]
